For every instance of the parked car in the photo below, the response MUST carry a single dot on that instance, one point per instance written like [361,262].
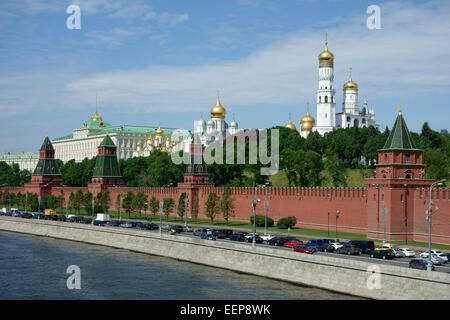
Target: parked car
[98,223]
[228,232]
[325,247]
[176,229]
[113,223]
[420,263]
[26,215]
[365,246]
[72,219]
[207,236]
[126,224]
[219,234]
[188,229]
[200,231]
[435,259]
[277,241]
[139,225]
[440,254]
[383,254]
[165,227]
[248,235]
[267,237]
[292,243]
[237,237]
[258,239]
[407,252]
[314,242]
[384,247]
[304,249]
[349,249]
[398,253]
[336,245]
[150,226]
[61,217]
[86,220]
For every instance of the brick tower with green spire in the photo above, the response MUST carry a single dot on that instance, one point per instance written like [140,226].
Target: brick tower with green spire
[399,172]
[46,174]
[106,169]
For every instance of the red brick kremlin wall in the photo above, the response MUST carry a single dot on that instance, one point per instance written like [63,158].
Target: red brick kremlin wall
[359,207]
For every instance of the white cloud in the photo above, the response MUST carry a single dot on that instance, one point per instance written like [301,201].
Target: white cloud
[410,51]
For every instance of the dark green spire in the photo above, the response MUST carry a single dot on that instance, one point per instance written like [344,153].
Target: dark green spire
[107,164]
[47,145]
[399,138]
[107,142]
[46,165]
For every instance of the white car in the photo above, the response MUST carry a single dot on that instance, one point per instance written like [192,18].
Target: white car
[443,256]
[267,237]
[435,259]
[250,235]
[407,252]
[336,245]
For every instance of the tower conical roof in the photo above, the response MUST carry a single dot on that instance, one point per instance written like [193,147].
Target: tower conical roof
[47,144]
[107,142]
[399,138]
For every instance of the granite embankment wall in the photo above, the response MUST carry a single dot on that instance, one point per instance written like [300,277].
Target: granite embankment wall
[342,275]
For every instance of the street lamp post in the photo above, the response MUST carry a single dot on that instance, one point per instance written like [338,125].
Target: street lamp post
[328,224]
[337,216]
[254,203]
[161,204]
[428,214]
[186,201]
[266,204]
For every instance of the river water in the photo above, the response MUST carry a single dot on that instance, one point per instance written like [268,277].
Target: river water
[35,267]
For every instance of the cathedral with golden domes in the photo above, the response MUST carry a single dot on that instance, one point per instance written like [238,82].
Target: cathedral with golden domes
[327,118]
[216,128]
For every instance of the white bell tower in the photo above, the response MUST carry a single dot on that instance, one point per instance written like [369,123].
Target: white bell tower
[326,94]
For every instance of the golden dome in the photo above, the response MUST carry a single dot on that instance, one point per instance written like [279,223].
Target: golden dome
[139,144]
[350,85]
[307,122]
[159,131]
[174,143]
[218,111]
[96,117]
[290,125]
[326,58]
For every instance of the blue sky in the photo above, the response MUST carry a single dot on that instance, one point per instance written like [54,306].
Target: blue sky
[163,61]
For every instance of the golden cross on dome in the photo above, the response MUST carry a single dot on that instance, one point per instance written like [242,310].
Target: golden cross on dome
[290,116]
[326,39]
[350,73]
[307,106]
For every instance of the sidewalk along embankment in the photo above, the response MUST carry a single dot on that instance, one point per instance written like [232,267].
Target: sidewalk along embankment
[359,278]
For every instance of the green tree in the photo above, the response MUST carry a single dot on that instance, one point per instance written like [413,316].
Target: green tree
[87,202]
[226,204]
[212,206]
[336,170]
[168,206]
[127,202]
[78,200]
[437,164]
[139,201]
[154,205]
[181,210]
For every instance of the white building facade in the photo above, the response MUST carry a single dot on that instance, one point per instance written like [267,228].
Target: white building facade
[25,160]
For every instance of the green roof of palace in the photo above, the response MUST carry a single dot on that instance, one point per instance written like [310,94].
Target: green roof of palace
[399,138]
[19,156]
[95,124]
[129,130]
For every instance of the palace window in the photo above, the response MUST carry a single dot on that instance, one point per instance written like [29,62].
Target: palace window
[407,158]
[326,99]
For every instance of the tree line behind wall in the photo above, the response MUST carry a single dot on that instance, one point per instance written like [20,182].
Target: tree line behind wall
[302,160]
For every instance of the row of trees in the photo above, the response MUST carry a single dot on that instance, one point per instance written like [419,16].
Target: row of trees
[301,159]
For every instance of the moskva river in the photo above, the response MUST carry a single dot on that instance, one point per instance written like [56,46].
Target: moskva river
[36,268]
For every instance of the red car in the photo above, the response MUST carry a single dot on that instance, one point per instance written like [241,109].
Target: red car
[292,243]
[303,249]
